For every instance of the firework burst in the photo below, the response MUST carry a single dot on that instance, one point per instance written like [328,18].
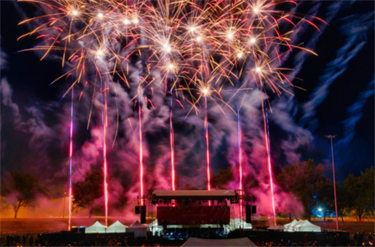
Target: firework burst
[199,48]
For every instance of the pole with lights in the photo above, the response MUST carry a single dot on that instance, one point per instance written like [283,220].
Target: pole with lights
[334,180]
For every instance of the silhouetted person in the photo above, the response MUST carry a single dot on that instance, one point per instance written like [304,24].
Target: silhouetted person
[31,241]
[24,239]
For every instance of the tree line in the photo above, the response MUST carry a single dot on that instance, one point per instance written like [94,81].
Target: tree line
[305,180]
[316,193]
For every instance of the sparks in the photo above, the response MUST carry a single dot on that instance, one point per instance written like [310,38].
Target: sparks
[253,40]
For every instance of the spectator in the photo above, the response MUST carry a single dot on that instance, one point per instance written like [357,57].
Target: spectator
[31,241]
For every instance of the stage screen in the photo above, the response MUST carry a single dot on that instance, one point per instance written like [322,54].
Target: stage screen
[193,215]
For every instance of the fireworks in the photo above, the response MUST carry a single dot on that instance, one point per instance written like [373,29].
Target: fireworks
[199,48]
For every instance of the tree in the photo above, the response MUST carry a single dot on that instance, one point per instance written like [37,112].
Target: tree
[302,179]
[87,192]
[367,182]
[20,189]
[341,201]
[355,194]
[325,197]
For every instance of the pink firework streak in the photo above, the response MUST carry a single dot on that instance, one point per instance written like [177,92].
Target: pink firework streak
[140,149]
[171,140]
[70,162]
[105,126]
[240,159]
[208,147]
[269,161]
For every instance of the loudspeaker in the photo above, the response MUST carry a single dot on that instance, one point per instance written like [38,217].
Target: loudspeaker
[143,214]
[248,213]
[137,211]
[253,209]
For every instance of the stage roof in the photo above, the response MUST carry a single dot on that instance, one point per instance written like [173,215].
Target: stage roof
[194,194]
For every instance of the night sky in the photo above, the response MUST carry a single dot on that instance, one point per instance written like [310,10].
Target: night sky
[339,98]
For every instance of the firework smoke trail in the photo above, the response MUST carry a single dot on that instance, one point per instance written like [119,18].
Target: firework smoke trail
[70,162]
[266,137]
[171,140]
[354,27]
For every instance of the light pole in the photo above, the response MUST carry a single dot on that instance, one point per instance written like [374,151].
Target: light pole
[334,180]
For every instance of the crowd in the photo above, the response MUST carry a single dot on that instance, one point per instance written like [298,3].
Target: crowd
[24,240]
[358,239]
[361,238]
[46,240]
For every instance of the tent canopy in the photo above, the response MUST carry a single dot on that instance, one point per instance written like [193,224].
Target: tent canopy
[203,242]
[97,227]
[290,227]
[302,226]
[116,227]
[138,229]
[307,226]
[137,225]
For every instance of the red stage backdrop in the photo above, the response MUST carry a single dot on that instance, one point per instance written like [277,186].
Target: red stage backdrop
[193,215]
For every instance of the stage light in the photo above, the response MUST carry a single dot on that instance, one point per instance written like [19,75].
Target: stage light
[100,15]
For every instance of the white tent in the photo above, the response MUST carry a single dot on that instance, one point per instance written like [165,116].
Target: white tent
[300,222]
[116,227]
[97,227]
[139,229]
[279,227]
[155,228]
[239,223]
[306,226]
[203,242]
[289,227]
